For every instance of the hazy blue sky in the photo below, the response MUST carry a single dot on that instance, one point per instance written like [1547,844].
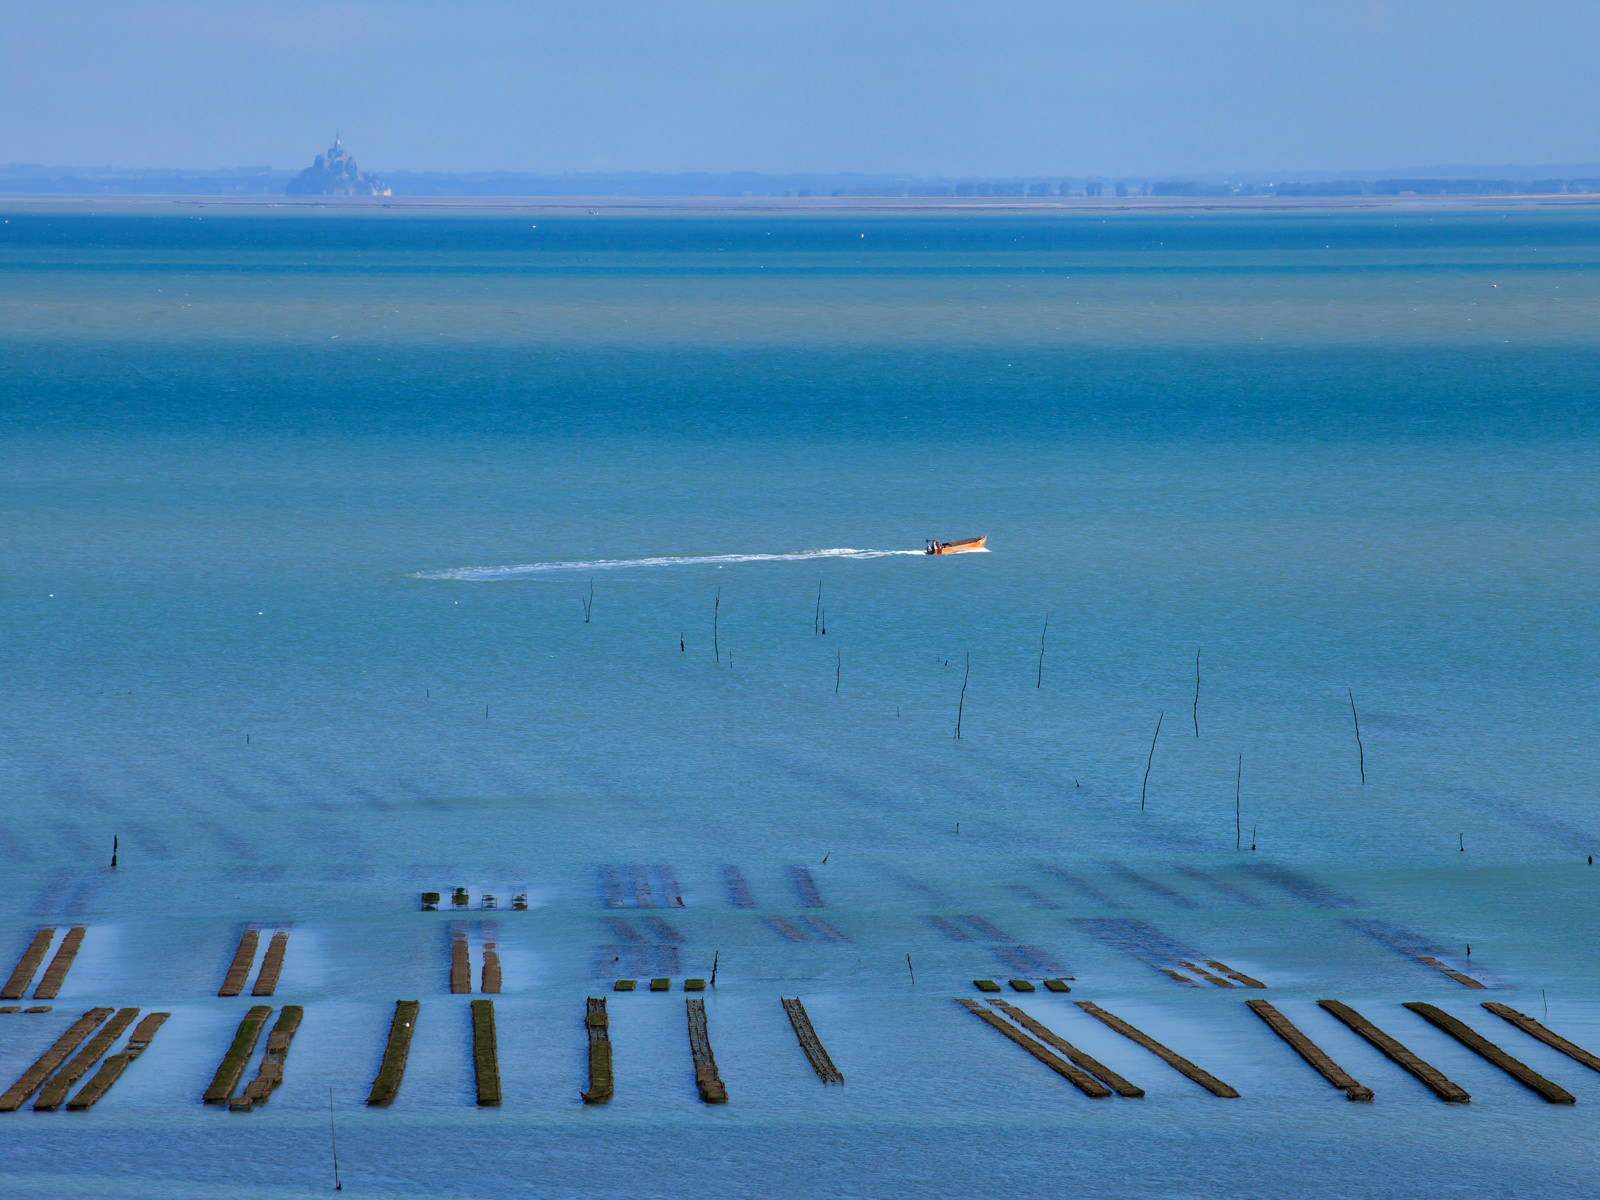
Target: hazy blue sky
[928,87]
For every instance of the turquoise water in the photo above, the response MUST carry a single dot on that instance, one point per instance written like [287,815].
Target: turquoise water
[299,515]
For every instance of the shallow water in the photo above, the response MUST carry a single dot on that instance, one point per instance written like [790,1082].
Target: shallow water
[299,516]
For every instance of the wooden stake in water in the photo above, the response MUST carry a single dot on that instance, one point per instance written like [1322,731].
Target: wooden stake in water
[716,956]
[1360,750]
[913,972]
[1151,759]
[1039,683]
[1197,691]
[113,852]
[333,1141]
[1238,829]
[716,613]
[962,703]
[816,617]
[838,667]
[588,604]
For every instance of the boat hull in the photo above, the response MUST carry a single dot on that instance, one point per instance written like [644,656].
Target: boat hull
[966,546]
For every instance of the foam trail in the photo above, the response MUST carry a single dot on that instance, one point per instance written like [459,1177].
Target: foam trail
[522,570]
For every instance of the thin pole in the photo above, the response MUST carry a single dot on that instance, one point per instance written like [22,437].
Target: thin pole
[1197,691]
[816,618]
[838,666]
[962,703]
[1238,828]
[1360,750]
[113,852]
[716,614]
[333,1141]
[1151,759]
[1039,683]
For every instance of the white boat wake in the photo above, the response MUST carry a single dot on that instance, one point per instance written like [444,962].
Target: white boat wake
[522,570]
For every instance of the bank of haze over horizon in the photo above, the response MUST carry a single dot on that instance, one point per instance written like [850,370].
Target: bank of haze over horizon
[1144,89]
[335,175]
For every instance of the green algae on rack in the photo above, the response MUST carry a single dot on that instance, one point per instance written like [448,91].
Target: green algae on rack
[816,1054]
[1081,1080]
[233,1063]
[54,1093]
[269,1076]
[395,1052]
[239,969]
[1309,1050]
[1430,1076]
[22,974]
[485,1054]
[460,964]
[1171,1057]
[491,969]
[1078,1057]
[706,1078]
[1484,1048]
[56,973]
[597,1025]
[28,1082]
[111,1070]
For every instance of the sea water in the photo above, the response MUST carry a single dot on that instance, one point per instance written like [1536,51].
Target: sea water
[351,555]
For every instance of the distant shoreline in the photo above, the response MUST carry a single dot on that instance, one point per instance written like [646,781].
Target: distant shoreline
[600,205]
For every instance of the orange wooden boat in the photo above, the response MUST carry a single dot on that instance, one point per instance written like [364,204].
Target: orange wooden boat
[961,547]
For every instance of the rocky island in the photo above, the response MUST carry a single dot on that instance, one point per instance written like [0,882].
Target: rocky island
[336,174]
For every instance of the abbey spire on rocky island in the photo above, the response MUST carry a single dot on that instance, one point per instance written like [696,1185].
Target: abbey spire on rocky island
[336,174]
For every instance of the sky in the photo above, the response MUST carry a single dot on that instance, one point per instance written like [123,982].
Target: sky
[927,88]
